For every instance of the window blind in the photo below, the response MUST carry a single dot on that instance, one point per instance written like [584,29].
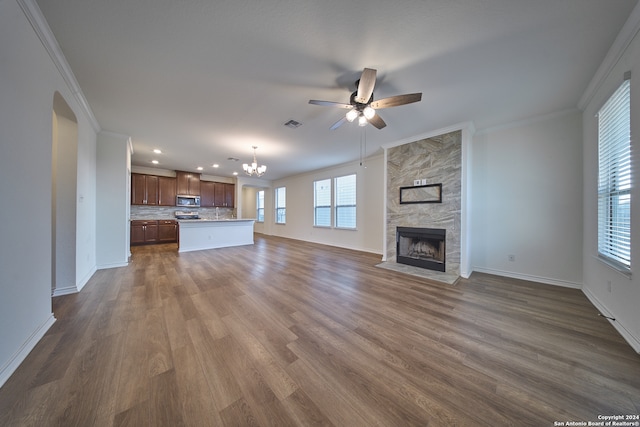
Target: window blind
[322,203]
[281,205]
[260,206]
[614,178]
[346,201]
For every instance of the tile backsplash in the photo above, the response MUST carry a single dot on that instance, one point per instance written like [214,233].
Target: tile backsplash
[168,212]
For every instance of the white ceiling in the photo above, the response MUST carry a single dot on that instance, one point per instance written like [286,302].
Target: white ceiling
[205,80]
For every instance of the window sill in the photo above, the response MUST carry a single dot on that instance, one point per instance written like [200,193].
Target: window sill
[615,266]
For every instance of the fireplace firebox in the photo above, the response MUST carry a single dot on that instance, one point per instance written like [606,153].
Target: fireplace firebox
[421,247]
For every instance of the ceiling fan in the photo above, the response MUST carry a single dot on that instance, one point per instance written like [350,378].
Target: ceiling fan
[363,107]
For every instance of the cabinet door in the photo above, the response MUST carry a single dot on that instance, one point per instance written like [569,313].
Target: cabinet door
[167,231]
[151,232]
[219,190]
[194,184]
[188,183]
[166,191]
[138,189]
[137,233]
[207,194]
[229,199]
[182,183]
[152,189]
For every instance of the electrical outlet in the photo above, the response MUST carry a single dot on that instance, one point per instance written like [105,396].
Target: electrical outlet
[609,285]
[512,258]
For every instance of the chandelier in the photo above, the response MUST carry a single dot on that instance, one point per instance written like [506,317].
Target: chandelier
[253,168]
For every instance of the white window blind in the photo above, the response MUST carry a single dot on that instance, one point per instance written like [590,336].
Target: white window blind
[322,203]
[281,205]
[260,206]
[346,201]
[614,178]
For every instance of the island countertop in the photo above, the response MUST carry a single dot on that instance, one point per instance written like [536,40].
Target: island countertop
[198,220]
[200,234]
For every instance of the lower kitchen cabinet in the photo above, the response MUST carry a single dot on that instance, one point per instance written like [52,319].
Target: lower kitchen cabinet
[144,231]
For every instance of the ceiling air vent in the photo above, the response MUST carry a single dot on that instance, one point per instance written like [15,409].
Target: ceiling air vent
[292,124]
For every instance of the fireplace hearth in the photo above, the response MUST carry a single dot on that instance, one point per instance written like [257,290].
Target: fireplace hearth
[421,247]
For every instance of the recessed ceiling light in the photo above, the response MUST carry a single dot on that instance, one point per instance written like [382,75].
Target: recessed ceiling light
[199,168]
[157,151]
[155,162]
[235,173]
[215,165]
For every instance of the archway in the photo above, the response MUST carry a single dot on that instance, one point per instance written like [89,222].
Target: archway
[64,168]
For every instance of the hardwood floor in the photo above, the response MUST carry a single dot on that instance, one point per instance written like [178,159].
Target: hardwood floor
[291,333]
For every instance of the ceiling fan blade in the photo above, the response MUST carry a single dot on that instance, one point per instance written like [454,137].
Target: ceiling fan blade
[339,123]
[394,101]
[330,104]
[365,87]
[377,121]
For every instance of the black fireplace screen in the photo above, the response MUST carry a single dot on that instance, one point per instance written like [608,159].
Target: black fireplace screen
[421,247]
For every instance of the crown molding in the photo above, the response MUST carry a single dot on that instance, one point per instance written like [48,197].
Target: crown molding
[39,24]
[467,127]
[623,40]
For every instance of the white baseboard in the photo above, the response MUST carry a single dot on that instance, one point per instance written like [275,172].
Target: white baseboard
[530,277]
[633,341]
[58,292]
[24,350]
[113,265]
[85,279]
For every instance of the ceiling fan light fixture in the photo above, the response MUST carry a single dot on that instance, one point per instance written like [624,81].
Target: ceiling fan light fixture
[362,121]
[351,115]
[369,112]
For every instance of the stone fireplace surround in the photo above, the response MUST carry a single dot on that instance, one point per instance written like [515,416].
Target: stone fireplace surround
[436,159]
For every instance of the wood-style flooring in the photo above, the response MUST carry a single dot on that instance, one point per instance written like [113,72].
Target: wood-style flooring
[285,333]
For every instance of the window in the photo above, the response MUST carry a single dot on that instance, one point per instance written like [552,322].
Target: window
[281,205]
[322,203]
[342,200]
[346,201]
[614,178]
[260,206]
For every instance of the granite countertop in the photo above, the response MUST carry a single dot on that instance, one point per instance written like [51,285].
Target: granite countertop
[216,220]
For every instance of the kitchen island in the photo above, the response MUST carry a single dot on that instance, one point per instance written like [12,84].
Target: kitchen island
[199,234]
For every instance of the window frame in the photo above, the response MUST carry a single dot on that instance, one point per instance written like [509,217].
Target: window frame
[337,206]
[259,206]
[615,180]
[316,206]
[280,209]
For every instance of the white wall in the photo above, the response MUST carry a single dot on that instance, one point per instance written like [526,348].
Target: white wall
[370,207]
[527,200]
[615,294]
[113,200]
[28,80]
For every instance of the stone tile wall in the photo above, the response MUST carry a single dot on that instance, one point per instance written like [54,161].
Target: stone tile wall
[438,160]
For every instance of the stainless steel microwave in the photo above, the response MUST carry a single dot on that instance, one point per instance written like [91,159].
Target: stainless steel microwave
[188,201]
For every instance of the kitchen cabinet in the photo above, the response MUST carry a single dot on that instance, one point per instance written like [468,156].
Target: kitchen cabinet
[217,194]
[207,194]
[188,183]
[166,191]
[167,231]
[144,189]
[144,231]
[224,195]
